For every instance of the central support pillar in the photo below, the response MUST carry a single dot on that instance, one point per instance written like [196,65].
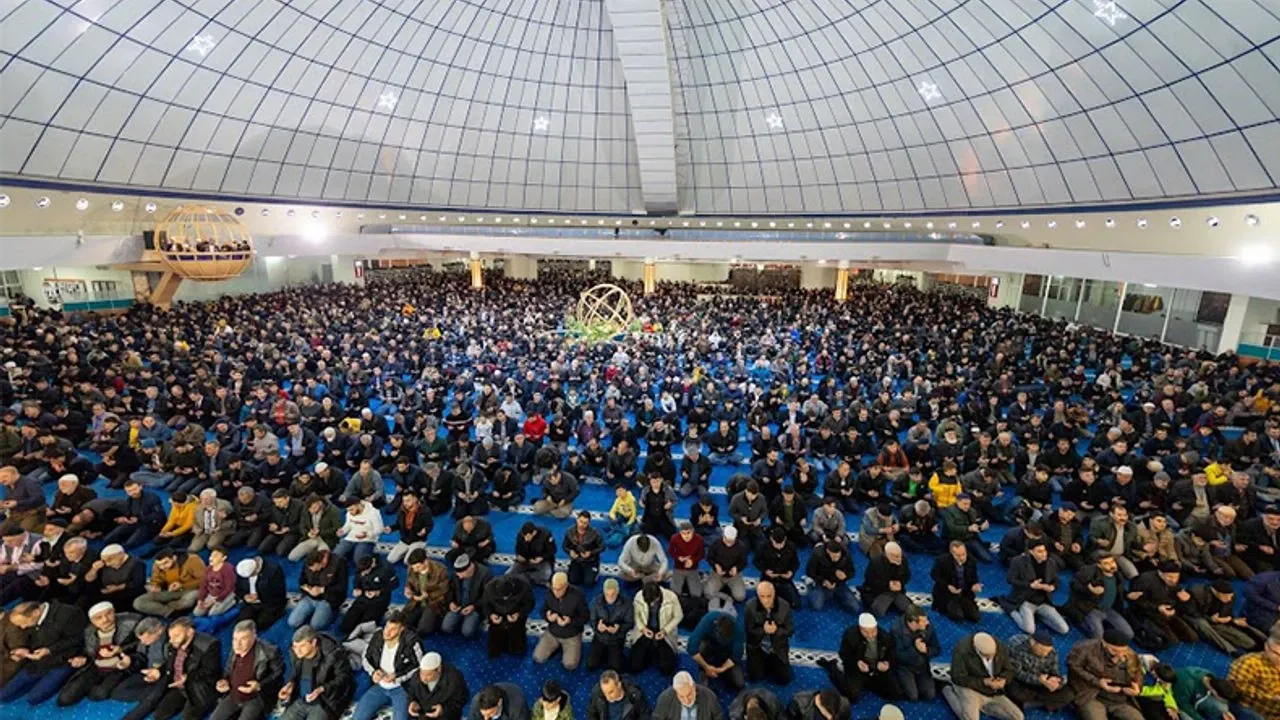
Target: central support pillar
[842,281]
[477,272]
[650,276]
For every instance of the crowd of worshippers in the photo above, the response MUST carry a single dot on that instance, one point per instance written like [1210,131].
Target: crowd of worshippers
[306,425]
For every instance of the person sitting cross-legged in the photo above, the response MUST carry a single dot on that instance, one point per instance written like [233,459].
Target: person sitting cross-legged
[980,674]
[1033,577]
[392,657]
[657,622]
[885,585]
[831,568]
[1037,676]
[252,677]
[109,644]
[323,585]
[915,645]
[320,682]
[867,662]
[439,691]
[260,587]
[769,626]
[716,646]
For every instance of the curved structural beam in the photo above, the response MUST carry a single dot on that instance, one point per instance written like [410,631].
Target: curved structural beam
[640,32]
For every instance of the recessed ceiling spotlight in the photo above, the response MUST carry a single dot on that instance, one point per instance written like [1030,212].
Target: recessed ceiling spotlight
[359,216]
[907,225]
[1213,221]
[291,213]
[117,205]
[315,215]
[975,224]
[4,200]
[462,218]
[826,226]
[737,223]
[719,223]
[82,204]
[151,207]
[1025,224]
[551,221]
[599,222]
[866,225]
[773,224]
[617,222]
[1142,223]
[338,215]
[951,226]
[686,223]
[1175,223]
[809,225]
[42,202]
[999,224]
[583,221]
[1079,224]
[1053,224]
[1110,223]
[533,221]
[1251,220]
[929,225]
[846,226]
[822,262]
[755,224]
[887,225]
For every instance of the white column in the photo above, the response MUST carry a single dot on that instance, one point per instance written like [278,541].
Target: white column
[477,272]
[842,281]
[1084,285]
[1233,324]
[1168,313]
[1124,292]
[1044,294]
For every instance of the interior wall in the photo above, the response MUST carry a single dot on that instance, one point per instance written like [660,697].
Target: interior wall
[266,274]
[33,281]
[817,277]
[692,272]
[1260,313]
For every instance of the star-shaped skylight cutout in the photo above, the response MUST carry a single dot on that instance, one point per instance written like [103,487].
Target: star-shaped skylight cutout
[387,101]
[1108,11]
[202,44]
[774,120]
[928,90]
[541,123]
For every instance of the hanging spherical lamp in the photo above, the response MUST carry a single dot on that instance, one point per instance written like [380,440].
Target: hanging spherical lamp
[198,242]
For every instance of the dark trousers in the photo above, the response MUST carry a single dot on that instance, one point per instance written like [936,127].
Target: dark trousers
[91,683]
[957,607]
[363,610]
[508,638]
[852,682]
[881,604]
[770,666]
[606,654]
[424,619]
[1027,696]
[246,538]
[463,508]
[1163,631]
[168,703]
[583,574]
[278,544]
[263,616]
[131,537]
[647,652]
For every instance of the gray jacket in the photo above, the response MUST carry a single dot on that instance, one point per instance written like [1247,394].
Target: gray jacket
[668,706]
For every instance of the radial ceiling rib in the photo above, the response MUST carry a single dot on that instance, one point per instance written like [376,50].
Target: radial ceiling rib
[640,34]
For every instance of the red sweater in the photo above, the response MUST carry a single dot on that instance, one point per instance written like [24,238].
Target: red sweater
[681,550]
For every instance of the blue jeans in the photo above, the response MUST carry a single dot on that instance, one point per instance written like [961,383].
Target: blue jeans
[37,687]
[824,464]
[617,533]
[843,594]
[151,478]
[316,613]
[729,458]
[453,621]
[377,697]
[980,549]
[1094,622]
[353,551]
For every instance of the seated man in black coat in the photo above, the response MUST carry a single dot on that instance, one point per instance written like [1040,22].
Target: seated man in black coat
[955,584]
[321,683]
[185,684]
[885,584]
[260,588]
[252,676]
[861,665]
[374,581]
[438,691]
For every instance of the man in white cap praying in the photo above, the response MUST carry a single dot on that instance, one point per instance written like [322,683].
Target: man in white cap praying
[104,661]
[439,690]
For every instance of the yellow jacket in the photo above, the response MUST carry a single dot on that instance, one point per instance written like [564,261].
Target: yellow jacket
[1216,474]
[944,494]
[181,517]
[624,508]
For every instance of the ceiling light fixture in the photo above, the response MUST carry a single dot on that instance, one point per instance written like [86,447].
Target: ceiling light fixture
[1025,224]
[866,225]
[541,123]
[117,205]
[1175,223]
[887,225]
[1213,221]
[1108,12]
[151,207]
[929,91]
[82,204]
[928,225]
[42,202]
[381,216]
[975,224]
[315,215]
[1142,223]
[359,216]
[4,200]
[202,44]
[907,225]
[846,226]
[1252,220]
[999,224]
[338,215]
[774,120]
[737,223]
[1110,223]
[826,226]
[951,226]
[1053,224]
[291,213]
[1079,224]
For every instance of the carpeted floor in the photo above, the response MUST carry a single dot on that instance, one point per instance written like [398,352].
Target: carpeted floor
[816,633]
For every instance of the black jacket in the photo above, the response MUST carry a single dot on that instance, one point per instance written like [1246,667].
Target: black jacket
[1082,600]
[62,632]
[945,572]
[853,647]
[332,577]
[268,669]
[635,706]
[476,592]
[573,606]
[1023,570]
[879,572]
[754,617]
[271,589]
[451,693]
[408,655]
[203,668]
[779,560]
[507,595]
[332,672]
[419,529]
[541,545]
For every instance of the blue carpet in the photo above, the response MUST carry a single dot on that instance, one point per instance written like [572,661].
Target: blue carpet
[814,630]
